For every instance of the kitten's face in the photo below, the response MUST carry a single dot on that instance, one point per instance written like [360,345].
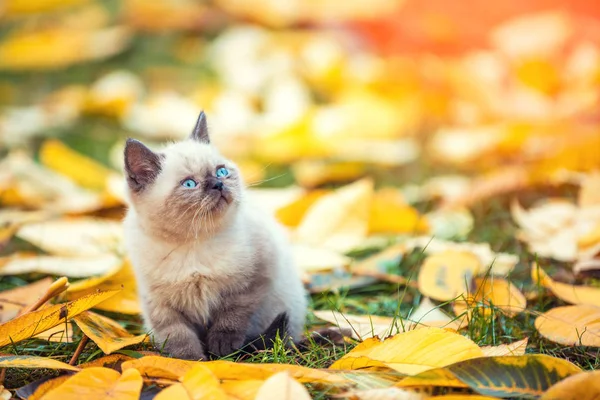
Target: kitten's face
[186,191]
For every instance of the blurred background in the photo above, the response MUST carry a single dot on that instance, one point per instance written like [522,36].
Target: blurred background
[312,92]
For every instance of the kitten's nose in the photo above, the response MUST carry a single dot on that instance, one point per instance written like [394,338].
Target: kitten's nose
[218,185]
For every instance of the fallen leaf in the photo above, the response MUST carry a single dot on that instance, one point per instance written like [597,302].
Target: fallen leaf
[588,192]
[311,259]
[36,322]
[437,377]
[448,275]
[170,368]
[491,292]
[198,383]
[60,333]
[74,236]
[99,383]
[292,213]
[112,361]
[73,267]
[12,301]
[105,332]
[34,362]
[571,325]
[81,169]
[415,351]
[453,223]
[513,376]
[581,386]
[512,349]
[390,214]
[37,389]
[58,47]
[569,293]
[242,390]
[381,265]
[363,326]
[310,173]
[121,277]
[339,220]
[282,386]
[499,264]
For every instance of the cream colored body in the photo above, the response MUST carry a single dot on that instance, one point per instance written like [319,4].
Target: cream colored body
[188,273]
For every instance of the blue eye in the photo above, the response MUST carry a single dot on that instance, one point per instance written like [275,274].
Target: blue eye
[222,172]
[189,184]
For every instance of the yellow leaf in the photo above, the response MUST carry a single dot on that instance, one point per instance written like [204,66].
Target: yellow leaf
[439,377]
[391,214]
[312,174]
[282,387]
[33,362]
[292,214]
[417,351]
[40,391]
[491,292]
[76,267]
[105,332]
[513,376]
[36,322]
[19,7]
[170,368]
[242,390]
[447,275]
[81,169]
[111,361]
[198,383]
[160,367]
[569,293]
[11,301]
[33,186]
[582,386]
[74,236]
[589,192]
[121,277]
[512,349]
[99,383]
[338,220]
[60,333]
[58,47]
[391,393]
[571,325]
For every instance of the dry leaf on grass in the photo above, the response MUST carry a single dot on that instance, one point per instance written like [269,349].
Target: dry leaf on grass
[491,292]
[36,322]
[99,383]
[392,393]
[414,351]
[60,333]
[339,220]
[12,301]
[75,236]
[242,390]
[37,389]
[448,275]
[105,332]
[73,267]
[511,376]
[582,386]
[34,362]
[282,386]
[571,325]
[198,383]
[121,277]
[512,349]
[569,293]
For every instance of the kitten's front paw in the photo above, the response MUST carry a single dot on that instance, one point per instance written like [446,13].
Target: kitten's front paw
[185,350]
[222,343]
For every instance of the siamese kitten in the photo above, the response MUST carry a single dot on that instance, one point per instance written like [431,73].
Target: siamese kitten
[213,271]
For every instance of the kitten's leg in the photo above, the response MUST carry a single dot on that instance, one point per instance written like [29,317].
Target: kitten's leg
[230,323]
[175,334]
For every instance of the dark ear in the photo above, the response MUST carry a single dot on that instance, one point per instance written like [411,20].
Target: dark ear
[142,165]
[200,132]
